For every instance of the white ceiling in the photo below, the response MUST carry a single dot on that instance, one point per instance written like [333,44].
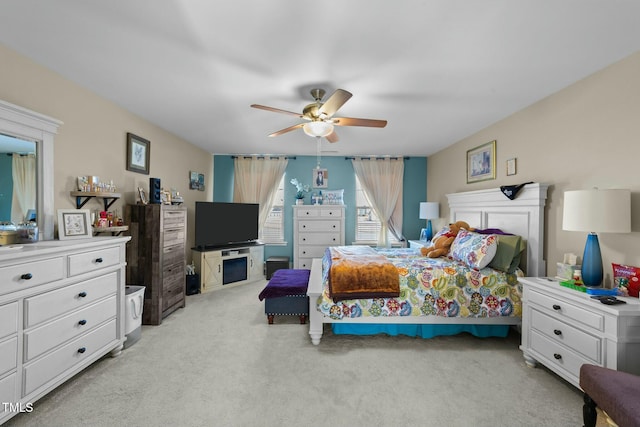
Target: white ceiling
[437,70]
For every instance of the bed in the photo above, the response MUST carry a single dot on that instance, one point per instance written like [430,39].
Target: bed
[485,209]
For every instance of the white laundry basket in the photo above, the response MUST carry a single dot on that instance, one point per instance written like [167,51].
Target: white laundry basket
[134,303]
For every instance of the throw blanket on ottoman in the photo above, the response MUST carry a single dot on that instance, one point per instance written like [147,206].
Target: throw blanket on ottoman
[286,282]
[360,272]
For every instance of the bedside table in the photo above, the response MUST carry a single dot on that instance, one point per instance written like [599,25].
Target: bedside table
[563,329]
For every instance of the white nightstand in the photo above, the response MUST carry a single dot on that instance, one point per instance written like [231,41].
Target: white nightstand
[563,329]
[417,244]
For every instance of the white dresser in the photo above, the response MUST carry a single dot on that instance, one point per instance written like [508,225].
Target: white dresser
[563,329]
[315,227]
[61,309]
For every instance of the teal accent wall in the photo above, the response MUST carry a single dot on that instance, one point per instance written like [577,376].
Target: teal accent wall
[340,176]
[6,187]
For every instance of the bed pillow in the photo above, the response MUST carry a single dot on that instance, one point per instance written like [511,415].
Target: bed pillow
[333,197]
[475,250]
[507,257]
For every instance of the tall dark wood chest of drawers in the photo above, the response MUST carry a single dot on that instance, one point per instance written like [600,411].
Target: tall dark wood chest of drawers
[156,257]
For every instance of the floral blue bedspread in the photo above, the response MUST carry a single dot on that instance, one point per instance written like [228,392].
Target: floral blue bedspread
[433,287]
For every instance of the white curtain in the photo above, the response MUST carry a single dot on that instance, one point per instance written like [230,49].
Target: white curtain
[255,180]
[24,186]
[381,181]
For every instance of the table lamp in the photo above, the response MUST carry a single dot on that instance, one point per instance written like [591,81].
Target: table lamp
[428,211]
[604,211]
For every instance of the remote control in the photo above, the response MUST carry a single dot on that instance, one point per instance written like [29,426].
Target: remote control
[609,300]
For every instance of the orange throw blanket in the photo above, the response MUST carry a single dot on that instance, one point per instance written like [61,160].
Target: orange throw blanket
[359,272]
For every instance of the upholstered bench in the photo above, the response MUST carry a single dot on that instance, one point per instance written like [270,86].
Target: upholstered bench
[286,295]
[614,392]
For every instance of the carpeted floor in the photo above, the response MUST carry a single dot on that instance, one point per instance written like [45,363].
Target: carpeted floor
[218,363]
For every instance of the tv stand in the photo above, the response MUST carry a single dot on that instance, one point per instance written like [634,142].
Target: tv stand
[229,266]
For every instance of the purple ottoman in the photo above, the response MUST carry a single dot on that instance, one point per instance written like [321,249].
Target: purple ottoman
[286,294]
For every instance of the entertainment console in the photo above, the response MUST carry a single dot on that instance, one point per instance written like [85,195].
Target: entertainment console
[229,266]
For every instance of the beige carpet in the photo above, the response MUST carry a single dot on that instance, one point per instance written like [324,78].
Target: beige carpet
[218,363]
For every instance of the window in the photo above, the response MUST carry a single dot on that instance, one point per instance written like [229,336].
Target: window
[273,230]
[367,223]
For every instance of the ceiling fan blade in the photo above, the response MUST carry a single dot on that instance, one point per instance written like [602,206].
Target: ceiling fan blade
[276,110]
[332,137]
[289,129]
[335,101]
[351,121]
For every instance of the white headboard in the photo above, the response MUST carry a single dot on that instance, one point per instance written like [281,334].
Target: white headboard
[523,216]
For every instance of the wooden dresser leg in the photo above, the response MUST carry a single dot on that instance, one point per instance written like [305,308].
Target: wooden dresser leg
[589,413]
[270,318]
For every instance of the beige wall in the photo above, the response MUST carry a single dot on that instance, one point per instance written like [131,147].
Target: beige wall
[92,140]
[586,135]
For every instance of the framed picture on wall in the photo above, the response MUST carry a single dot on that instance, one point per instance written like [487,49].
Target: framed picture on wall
[481,163]
[138,154]
[320,178]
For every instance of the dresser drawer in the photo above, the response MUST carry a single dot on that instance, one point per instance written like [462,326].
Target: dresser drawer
[94,260]
[305,263]
[173,274]
[307,213]
[48,336]
[331,212]
[327,239]
[47,368]
[8,355]
[51,304]
[557,355]
[311,251]
[34,273]
[174,218]
[173,236]
[171,254]
[582,342]
[567,311]
[8,390]
[320,225]
[173,295]
[8,319]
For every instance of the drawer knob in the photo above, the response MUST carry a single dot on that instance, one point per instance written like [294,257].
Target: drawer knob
[82,322]
[556,307]
[304,252]
[98,260]
[557,331]
[26,276]
[82,350]
[334,226]
[82,294]
[557,356]
[304,226]
[304,239]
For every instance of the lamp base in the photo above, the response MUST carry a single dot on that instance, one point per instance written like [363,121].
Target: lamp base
[426,233]
[592,262]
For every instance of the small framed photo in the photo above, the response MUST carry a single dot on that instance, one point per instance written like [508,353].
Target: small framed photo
[320,178]
[138,154]
[196,181]
[74,224]
[143,196]
[481,163]
[511,167]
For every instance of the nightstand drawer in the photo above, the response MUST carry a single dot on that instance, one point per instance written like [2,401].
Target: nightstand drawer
[582,342]
[557,355]
[567,310]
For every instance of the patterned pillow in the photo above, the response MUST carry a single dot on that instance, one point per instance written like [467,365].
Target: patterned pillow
[333,197]
[475,250]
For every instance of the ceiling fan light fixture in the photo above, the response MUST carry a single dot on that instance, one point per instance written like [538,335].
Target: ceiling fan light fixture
[318,128]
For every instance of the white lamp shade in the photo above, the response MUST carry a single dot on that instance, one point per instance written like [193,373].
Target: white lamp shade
[429,210]
[318,128]
[602,211]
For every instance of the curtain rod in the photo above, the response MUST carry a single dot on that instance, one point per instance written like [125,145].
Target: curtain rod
[377,158]
[264,157]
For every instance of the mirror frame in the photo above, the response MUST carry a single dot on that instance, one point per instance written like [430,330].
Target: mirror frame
[26,124]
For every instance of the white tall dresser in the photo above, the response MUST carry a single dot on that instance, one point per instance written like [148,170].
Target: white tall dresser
[315,227]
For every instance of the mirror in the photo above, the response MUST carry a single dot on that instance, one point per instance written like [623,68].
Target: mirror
[23,124]
[17,181]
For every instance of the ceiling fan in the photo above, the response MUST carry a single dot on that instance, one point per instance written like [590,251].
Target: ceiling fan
[319,116]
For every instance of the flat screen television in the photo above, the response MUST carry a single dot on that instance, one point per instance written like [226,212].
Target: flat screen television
[221,224]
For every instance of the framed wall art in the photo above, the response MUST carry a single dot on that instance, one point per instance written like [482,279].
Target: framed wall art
[481,163]
[74,224]
[320,178]
[511,167]
[138,154]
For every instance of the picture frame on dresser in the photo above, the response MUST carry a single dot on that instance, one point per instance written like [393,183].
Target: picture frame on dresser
[74,224]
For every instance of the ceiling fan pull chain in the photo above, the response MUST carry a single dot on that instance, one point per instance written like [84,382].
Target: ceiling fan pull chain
[318,155]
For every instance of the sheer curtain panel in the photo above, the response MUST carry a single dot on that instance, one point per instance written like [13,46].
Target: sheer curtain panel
[24,186]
